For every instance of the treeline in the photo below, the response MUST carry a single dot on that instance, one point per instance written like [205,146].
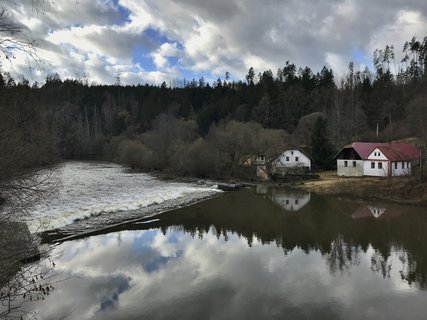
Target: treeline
[214,128]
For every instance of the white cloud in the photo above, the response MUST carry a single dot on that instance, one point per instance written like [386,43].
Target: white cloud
[403,27]
[212,37]
[160,56]
[337,64]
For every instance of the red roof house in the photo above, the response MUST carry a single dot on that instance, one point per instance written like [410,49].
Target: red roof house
[377,159]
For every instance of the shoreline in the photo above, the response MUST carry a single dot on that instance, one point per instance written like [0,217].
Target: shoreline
[403,190]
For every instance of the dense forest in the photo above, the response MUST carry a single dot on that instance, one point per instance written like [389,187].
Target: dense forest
[214,129]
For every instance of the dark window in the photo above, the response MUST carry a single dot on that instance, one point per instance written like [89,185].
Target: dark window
[354,163]
[287,158]
[345,163]
[403,165]
[380,165]
[296,201]
[292,152]
[287,201]
[296,159]
[372,165]
[395,165]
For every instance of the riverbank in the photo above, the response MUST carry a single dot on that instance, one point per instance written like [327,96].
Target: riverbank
[405,190]
[408,190]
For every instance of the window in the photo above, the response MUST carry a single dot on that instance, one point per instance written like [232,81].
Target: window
[380,165]
[296,159]
[354,164]
[379,153]
[395,165]
[407,165]
[403,165]
[292,152]
[345,163]
[287,158]
[375,154]
[372,165]
[287,201]
[296,201]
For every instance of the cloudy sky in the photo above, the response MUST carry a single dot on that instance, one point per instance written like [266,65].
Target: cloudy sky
[168,40]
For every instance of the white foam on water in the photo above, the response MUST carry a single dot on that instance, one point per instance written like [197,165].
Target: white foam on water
[90,189]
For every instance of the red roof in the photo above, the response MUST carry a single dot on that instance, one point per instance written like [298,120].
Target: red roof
[393,151]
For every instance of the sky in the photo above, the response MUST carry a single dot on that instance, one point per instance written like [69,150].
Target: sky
[169,40]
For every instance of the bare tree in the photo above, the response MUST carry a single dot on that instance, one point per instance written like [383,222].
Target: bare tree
[13,37]
[27,145]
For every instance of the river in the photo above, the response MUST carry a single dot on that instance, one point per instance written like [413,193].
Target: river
[259,253]
[94,194]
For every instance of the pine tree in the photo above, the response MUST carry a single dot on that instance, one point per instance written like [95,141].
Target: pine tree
[322,149]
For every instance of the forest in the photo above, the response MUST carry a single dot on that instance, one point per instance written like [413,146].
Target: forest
[214,129]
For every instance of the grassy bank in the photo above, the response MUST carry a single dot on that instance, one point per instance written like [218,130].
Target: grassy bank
[398,189]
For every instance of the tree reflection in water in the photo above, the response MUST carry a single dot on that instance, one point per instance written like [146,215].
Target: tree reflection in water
[338,236]
[26,272]
[342,255]
[341,230]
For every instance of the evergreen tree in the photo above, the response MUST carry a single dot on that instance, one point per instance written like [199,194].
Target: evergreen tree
[322,150]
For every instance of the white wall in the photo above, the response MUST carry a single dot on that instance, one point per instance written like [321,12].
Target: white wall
[303,160]
[377,155]
[350,170]
[368,171]
[401,171]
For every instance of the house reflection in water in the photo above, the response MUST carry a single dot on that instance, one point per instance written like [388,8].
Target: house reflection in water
[382,211]
[376,211]
[290,200]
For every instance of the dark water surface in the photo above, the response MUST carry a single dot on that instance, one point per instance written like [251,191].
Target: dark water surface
[252,254]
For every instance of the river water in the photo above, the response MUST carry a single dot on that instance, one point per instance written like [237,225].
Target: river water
[261,253]
[93,194]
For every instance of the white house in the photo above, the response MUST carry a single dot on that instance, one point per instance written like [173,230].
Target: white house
[291,159]
[377,159]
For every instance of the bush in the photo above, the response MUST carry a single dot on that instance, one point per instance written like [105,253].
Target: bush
[135,154]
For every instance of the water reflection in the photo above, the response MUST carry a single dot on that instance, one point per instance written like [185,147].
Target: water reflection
[239,257]
[377,211]
[287,199]
[290,200]
[25,273]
